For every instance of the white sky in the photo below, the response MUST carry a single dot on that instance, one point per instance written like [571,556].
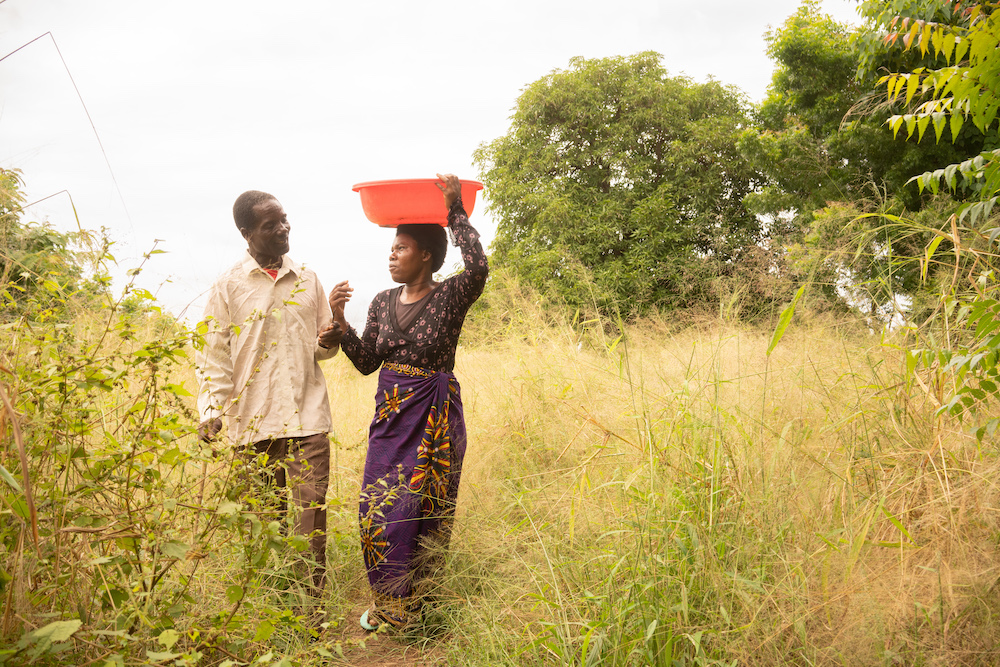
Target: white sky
[197,101]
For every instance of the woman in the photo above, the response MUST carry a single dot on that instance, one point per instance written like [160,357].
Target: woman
[416,441]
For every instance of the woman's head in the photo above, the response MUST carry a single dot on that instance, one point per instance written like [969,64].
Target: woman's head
[429,238]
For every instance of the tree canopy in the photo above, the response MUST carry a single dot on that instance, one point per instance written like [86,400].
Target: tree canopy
[616,181]
[823,143]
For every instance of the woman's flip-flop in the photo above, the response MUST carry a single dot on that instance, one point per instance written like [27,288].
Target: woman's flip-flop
[373,619]
[365,624]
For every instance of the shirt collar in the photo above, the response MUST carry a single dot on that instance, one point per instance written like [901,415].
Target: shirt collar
[288,265]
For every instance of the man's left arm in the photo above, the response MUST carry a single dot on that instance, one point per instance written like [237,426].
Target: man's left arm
[214,366]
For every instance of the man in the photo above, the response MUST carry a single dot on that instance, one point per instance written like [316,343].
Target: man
[269,324]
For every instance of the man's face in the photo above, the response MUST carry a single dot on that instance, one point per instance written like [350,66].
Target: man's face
[269,236]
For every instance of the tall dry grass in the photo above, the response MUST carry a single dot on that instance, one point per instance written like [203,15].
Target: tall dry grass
[670,494]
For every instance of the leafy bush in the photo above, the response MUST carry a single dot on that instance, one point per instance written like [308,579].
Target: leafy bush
[110,507]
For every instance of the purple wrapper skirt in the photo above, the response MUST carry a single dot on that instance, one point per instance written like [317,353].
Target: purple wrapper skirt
[416,444]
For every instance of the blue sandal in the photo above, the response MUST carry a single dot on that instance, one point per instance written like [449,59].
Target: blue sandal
[372,620]
[365,624]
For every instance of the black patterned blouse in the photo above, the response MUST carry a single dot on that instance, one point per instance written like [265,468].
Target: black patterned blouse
[431,340]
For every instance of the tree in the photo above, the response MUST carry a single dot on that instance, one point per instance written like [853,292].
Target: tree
[616,183]
[828,156]
[960,87]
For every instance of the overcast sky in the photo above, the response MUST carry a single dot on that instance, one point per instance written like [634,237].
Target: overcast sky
[196,101]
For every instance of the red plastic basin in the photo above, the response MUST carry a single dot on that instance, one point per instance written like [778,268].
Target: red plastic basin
[410,200]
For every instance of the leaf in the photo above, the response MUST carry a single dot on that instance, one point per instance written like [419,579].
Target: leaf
[11,482]
[298,542]
[897,523]
[234,593]
[651,628]
[928,254]
[784,320]
[19,506]
[264,631]
[895,122]
[168,638]
[58,631]
[159,656]
[949,175]
[229,508]
[170,457]
[912,83]
[175,549]
[956,125]
[922,124]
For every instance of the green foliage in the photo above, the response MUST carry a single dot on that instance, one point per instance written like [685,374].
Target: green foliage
[111,509]
[824,145]
[810,157]
[39,265]
[958,85]
[813,80]
[616,181]
[964,88]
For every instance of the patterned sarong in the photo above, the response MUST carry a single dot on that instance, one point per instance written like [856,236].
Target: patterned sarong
[416,444]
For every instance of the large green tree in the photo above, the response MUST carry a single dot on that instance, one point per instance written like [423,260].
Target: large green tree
[617,183]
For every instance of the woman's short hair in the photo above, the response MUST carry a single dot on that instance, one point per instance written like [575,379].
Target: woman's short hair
[431,238]
[243,213]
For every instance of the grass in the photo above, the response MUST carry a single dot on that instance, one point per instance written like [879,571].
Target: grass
[666,495]
[679,497]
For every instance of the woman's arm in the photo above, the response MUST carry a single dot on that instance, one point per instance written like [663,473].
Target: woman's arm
[361,350]
[469,284]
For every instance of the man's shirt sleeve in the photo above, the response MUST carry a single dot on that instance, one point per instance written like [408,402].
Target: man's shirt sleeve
[214,362]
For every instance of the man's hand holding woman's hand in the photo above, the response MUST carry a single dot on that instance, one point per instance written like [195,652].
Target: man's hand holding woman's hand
[330,336]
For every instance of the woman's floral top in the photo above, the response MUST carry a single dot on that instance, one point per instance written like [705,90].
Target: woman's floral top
[431,340]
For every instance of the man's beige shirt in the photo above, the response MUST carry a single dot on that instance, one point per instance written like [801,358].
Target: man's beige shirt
[259,366]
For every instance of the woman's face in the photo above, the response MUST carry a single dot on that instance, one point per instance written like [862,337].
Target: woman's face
[406,260]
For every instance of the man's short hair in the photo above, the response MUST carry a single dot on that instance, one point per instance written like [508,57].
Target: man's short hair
[431,238]
[243,213]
